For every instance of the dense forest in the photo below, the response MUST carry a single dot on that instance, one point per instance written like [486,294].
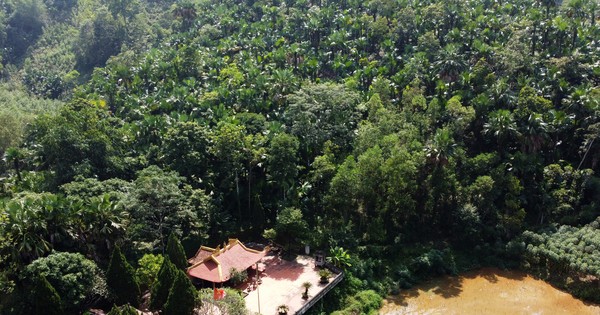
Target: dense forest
[407,138]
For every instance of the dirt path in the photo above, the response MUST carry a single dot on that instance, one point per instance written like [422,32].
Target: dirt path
[486,291]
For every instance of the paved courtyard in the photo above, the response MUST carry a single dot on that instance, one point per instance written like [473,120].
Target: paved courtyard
[282,284]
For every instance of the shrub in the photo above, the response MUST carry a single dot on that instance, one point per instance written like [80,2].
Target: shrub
[121,279]
[233,303]
[324,274]
[149,266]
[176,253]
[44,298]
[363,302]
[237,277]
[77,280]
[405,277]
[182,296]
[434,262]
[123,310]
[162,285]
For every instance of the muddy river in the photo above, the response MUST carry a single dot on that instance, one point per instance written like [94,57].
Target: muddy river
[486,291]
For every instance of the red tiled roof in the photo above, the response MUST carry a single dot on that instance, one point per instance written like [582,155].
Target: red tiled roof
[201,254]
[216,266]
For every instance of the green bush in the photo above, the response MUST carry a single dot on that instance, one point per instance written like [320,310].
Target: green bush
[123,310]
[121,279]
[78,281]
[176,253]
[434,263]
[162,285]
[237,277]
[233,303]
[404,277]
[182,296]
[148,268]
[44,298]
[363,302]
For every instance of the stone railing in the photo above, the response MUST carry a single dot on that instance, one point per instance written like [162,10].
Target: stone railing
[321,294]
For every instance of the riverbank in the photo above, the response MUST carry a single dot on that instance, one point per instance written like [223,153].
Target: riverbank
[486,291]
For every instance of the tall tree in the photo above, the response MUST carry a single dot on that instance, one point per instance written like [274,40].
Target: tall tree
[185,149]
[321,112]
[176,253]
[158,206]
[121,279]
[283,157]
[162,285]
[81,140]
[182,296]
[502,126]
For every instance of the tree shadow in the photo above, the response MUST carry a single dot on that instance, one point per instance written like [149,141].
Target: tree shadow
[278,269]
[452,286]
[447,287]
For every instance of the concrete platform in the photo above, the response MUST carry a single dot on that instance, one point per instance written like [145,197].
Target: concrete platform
[281,283]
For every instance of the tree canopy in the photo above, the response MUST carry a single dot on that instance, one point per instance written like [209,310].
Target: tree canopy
[418,137]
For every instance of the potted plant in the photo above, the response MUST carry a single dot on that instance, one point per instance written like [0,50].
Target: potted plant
[306,286]
[282,309]
[324,274]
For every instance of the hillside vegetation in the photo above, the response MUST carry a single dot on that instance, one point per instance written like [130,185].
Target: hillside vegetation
[408,138]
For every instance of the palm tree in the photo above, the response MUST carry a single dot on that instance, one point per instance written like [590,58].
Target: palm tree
[187,13]
[306,285]
[534,133]
[104,222]
[15,156]
[450,64]
[502,126]
[441,147]
[284,82]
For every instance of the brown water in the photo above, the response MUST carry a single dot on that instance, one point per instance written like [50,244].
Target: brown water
[486,291]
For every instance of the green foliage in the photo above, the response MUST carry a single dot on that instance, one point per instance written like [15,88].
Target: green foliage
[185,149]
[122,310]
[565,188]
[324,274]
[567,257]
[49,70]
[283,157]
[18,110]
[33,221]
[121,279]
[44,299]
[159,207]
[80,140]
[148,268]
[322,112]
[270,235]
[364,302]
[182,296]
[237,276]
[77,280]
[162,285]
[570,248]
[434,262]
[176,253]
[291,228]
[24,25]
[87,188]
[233,303]
[391,129]
[339,257]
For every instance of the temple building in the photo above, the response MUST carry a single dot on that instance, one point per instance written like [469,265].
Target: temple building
[215,264]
